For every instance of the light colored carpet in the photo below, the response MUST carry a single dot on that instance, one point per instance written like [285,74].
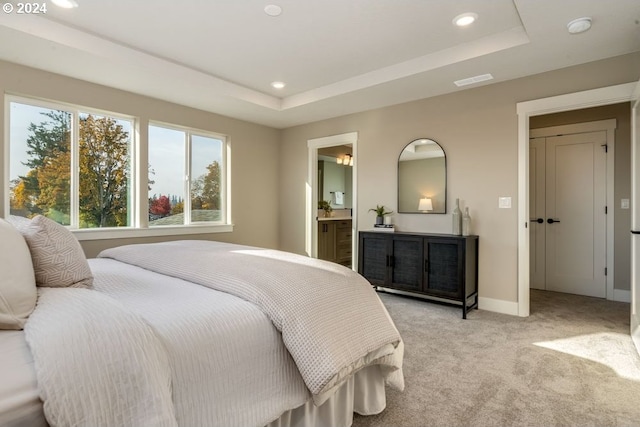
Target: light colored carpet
[571,363]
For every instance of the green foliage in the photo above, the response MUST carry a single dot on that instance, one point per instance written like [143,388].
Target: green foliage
[205,190]
[49,138]
[380,210]
[103,171]
[325,205]
[178,208]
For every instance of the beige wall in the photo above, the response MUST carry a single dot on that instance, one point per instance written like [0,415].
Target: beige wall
[477,128]
[254,148]
[622,180]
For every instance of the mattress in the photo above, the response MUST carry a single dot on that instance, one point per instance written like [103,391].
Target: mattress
[19,402]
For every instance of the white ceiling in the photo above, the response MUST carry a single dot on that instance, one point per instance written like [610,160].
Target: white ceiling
[336,56]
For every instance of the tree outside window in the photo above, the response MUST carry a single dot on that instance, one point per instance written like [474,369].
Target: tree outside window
[167,153]
[44,186]
[75,167]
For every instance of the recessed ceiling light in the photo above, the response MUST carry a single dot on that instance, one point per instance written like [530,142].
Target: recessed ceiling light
[272,10]
[579,25]
[278,85]
[474,79]
[66,4]
[465,19]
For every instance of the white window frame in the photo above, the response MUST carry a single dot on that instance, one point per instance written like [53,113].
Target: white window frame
[139,226]
[189,133]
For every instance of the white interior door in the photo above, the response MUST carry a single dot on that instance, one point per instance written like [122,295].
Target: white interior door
[575,207]
[537,213]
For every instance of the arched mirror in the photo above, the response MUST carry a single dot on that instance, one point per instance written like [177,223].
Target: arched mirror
[422,178]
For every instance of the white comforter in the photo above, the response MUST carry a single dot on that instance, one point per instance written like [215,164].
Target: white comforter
[81,378]
[157,350]
[331,320]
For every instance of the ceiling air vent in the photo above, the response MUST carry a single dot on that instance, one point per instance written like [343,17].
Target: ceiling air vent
[472,80]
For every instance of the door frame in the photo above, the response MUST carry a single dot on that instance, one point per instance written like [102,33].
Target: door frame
[609,126]
[571,101]
[635,214]
[311,234]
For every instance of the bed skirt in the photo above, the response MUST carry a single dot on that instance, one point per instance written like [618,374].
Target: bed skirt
[363,393]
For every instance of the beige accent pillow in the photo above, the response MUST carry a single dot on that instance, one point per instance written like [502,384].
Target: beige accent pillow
[58,258]
[17,282]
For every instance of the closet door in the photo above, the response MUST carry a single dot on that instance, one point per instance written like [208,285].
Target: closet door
[575,214]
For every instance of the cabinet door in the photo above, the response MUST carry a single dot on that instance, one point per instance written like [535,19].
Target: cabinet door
[374,257]
[406,263]
[327,240]
[443,267]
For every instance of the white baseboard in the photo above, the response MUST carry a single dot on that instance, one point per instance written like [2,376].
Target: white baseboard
[621,295]
[498,306]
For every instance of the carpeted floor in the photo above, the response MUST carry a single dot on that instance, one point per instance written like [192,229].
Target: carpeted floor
[571,363]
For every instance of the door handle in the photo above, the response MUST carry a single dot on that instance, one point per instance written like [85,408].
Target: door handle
[551,220]
[538,220]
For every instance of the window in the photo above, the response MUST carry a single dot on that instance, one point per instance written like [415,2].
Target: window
[79,168]
[70,166]
[181,163]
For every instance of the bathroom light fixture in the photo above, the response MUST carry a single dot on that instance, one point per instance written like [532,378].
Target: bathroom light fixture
[278,85]
[579,25]
[425,205]
[66,4]
[465,19]
[346,160]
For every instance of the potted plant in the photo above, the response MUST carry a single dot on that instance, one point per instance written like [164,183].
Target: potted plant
[325,205]
[380,213]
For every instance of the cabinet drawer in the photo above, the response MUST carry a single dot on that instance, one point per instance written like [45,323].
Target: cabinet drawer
[344,252]
[343,236]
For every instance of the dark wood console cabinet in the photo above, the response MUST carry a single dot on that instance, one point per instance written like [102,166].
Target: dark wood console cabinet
[438,266]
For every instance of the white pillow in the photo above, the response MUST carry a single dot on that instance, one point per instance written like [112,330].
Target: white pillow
[17,282]
[58,258]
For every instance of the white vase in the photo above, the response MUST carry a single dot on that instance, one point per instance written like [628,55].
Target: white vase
[466,222]
[457,219]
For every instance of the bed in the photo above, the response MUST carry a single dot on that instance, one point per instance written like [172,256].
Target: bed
[193,333]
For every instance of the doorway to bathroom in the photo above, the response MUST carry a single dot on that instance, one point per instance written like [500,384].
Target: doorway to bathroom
[332,199]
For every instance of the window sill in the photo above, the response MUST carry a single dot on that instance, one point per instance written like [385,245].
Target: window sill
[125,233]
